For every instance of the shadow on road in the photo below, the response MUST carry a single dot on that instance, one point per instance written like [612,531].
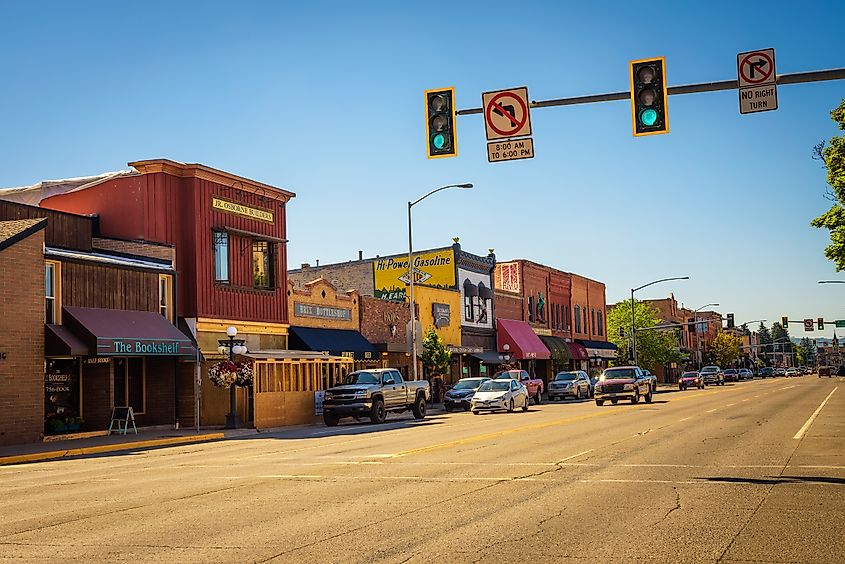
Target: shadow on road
[770,481]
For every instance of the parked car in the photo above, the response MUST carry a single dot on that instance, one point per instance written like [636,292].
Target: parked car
[792,371]
[652,379]
[575,385]
[534,385]
[780,371]
[623,382]
[731,375]
[745,374]
[460,395]
[712,374]
[690,379]
[767,372]
[502,394]
[825,371]
[808,370]
[374,393]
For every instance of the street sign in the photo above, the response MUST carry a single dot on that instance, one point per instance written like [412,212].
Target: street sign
[808,325]
[840,323]
[510,150]
[506,113]
[757,81]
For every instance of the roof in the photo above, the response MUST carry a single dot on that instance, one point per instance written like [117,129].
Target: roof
[33,194]
[19,229]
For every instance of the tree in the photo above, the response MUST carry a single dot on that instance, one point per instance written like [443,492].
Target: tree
[780,339]
[435,356]
[653,347]
[833,159]
[725,348]
[805,352]
[763,334]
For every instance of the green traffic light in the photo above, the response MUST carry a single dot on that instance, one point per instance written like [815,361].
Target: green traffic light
[438,141]
[648,117]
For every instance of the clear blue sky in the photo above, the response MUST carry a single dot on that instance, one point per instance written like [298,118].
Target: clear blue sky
[326,99]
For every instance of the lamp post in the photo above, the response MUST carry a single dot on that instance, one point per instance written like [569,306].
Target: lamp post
[505,355]
[411,275]
[698,342]
[633,318]
[232,346]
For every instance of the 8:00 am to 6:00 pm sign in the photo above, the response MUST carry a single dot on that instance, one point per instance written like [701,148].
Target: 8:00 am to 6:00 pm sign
[510,150]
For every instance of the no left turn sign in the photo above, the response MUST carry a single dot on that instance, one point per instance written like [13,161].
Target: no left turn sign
[506,113]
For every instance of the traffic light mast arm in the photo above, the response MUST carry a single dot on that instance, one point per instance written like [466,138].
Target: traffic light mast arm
[791,78]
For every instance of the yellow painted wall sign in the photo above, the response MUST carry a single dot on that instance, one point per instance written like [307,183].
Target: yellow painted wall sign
[434,268]
[240,209]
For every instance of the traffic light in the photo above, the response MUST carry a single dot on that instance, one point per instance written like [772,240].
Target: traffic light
[648,96]
[440,123]
[820,322]
[784,321]
[730,321]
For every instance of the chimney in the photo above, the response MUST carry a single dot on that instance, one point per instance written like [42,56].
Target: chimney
[305,266]
[318,262]
[360,255]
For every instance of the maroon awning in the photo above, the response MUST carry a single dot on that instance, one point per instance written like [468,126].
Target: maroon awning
[119,332]
[60,341]
[523,342]
[577,351]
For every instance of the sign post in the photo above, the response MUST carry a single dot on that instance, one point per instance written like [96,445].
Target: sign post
[757,81]
[506,117]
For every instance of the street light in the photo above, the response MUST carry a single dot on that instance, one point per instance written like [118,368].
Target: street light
[633,319]
[505,355]
[232,346]
[411,271]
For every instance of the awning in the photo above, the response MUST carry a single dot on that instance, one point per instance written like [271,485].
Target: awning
[600,349]
[488,357]
[120,332]
[557,347]
[524,343]
[337,342]
[577,351]
[60,341]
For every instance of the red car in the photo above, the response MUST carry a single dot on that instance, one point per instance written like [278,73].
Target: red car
[690,379]
[534,385]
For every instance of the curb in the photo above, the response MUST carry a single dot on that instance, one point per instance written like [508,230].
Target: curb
[54,454]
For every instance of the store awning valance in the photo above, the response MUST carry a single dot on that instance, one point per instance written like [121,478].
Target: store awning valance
[488,357]
[557,347]
[600,349]
[524,343]
[577,351]
[338,342]
[120,332]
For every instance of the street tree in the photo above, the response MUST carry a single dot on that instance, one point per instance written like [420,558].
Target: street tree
[725,348]
[832,157]
[653,346]
[435,356]
[763,334]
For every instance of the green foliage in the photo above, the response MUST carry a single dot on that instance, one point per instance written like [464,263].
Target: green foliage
[435,356]
[725,348]
[653,347]
[805,352]
[763,334]
[833,158]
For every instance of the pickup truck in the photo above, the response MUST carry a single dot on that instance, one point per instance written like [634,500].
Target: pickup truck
[374,393]
[623,382]
[534,385]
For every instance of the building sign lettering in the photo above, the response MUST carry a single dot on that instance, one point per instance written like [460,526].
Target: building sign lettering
[242,210]
[323,312]
[390,275]
[507,277]
[142,347]
[2,356]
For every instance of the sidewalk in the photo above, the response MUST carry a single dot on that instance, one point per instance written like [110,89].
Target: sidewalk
[34,452]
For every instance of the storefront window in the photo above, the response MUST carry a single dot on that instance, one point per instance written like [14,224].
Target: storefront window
[221,256]
[129,385]
[62,409]
[262,264]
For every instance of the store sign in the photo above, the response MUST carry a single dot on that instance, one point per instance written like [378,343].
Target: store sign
[57,383]
[442,314]
[321,312]
[507,277]
[242,210]
[142,347]
[464,350]
[318,402]
[390,275]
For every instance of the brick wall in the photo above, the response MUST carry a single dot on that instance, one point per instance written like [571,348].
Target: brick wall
[356,275]
[377,317]
[139,248]
[509,306]
[22,341]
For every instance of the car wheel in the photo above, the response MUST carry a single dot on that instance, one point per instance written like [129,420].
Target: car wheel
[526,403]
[681,388]
[614,401]
[538,399]
[510,406]
[599,403]
[636,399]
[447,407]
[649,396]
[377,413]
[475,413]
[330,419]
[418,409]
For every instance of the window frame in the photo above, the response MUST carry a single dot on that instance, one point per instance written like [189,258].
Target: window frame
[577,311]
[270,266]
[167,279]
[215,233]
[56,267]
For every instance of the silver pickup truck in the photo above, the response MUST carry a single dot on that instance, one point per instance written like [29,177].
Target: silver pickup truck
[374,393]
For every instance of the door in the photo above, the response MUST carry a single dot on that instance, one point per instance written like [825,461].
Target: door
[400,389]
[391,389]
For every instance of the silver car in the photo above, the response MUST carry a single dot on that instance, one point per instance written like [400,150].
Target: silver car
[499,395]
[575,384]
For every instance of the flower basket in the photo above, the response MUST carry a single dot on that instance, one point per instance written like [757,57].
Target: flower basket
[244,374]
[223,374]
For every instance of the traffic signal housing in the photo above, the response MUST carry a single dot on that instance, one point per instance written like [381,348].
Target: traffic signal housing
[784,321]
[730,321]
[820,321]
[648,96]
[442,140]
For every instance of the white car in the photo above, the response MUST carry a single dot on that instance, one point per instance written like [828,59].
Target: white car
[499,395]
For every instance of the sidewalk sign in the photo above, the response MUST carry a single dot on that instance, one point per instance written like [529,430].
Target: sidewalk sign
[122,416]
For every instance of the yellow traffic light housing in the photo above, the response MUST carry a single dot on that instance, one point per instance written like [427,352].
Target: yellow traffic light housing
[649,91]
[442,139]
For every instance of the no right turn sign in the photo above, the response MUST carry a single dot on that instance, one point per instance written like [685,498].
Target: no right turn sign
[757,81]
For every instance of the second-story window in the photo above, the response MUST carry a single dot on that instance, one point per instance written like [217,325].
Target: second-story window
[531,309]
[221,256]
[577,319]
[165,297]
[262,265]
[52,275]
[593,320]
[600,323]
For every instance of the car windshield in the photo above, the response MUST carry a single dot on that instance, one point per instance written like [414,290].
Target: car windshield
[730,371]
[565,376]
[690,374]
[513,375]
[618,373]
[469,384]
[494,386]
[360,378]
[709,369]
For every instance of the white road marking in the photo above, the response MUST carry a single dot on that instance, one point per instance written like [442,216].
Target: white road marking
[711,410]
[730,405]
[800,434]
[459,479]
[746,399]
[684,419]
[577,455]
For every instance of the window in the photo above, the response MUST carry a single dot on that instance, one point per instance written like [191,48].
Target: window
[130,384]
[531,308]
[593,315]
[262,265]
[568,318]
[586,321]
[221,256]
[397,377]
[577,319]
[600,324]
[469,308]
[52,292]
[165,296]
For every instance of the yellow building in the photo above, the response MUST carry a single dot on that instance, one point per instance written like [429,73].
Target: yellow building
[440,310]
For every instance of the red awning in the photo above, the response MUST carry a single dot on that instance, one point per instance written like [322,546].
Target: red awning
[524,343]
[577,351]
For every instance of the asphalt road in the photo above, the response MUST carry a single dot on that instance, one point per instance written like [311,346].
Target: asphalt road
[696,476]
